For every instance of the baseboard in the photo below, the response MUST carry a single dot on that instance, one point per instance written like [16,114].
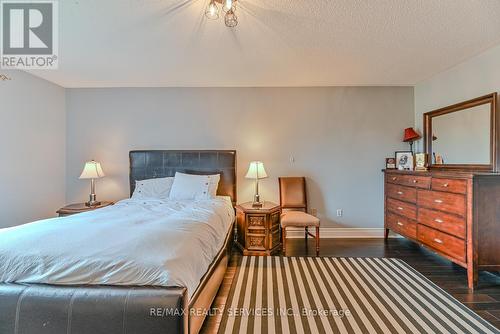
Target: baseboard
[341,232]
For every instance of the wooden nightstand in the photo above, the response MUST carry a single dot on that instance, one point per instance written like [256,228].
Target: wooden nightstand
[73,209]
[258,228]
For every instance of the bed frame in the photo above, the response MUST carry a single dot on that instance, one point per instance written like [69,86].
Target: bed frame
[54,309]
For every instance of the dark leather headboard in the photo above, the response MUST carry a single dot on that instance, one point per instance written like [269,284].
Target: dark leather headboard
[154,164]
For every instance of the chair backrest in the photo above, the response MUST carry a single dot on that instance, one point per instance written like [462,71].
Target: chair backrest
[293,193]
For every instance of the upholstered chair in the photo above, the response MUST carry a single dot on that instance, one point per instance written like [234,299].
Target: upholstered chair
[293,202]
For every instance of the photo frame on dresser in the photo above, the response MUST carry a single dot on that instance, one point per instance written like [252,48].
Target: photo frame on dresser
[404,160]
[421,161]
[390,163]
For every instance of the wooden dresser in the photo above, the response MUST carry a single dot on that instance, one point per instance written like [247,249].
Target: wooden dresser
[258,229]
[455,214]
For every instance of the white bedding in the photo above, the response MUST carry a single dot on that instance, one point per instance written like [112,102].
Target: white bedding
[134,242]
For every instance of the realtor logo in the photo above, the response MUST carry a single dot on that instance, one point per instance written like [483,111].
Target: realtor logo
[29,34]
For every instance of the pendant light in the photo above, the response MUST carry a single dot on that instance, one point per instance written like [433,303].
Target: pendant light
[228,7]
[212,11]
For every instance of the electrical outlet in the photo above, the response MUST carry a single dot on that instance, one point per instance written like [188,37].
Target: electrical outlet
[340,212]
[292,159]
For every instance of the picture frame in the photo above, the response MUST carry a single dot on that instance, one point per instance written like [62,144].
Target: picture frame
[421,161]
[404,160]
[438,159]
[390,163]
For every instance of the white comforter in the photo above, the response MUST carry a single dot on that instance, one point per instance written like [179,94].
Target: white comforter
[152,242]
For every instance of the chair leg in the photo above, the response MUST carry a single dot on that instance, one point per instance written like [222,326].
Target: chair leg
[317,241]
[283,237]
[306,233]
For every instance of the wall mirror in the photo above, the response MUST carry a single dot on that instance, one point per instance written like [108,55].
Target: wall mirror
[464,136]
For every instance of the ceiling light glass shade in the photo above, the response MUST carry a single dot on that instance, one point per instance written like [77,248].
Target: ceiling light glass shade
[231,19]
[212,11]
[228,5]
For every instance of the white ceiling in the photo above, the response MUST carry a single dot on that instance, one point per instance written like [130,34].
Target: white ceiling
[151,43]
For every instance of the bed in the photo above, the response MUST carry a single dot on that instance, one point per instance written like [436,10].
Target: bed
[125,292]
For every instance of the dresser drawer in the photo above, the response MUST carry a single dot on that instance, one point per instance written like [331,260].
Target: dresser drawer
[397,179]
[419,181]
[256,242]
[402,208]
[256,224]
[438,200]
[402,225]
[444,222]
[449,185]
[402,193]
[410,180]
[442,242]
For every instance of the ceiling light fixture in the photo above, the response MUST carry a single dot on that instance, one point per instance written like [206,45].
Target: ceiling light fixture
[228,6]
[212,11]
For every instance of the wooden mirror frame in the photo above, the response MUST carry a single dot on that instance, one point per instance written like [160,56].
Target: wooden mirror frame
[493,166]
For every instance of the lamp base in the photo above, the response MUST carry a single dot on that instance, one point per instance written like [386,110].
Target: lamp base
[256,198]
[92,201]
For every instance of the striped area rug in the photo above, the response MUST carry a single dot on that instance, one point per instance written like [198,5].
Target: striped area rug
[341,295]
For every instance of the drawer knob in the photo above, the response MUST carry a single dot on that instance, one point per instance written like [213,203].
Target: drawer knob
[439,241]
[446,185]
[400,224]
[415,181]
[437,220]
[400,193]
[394,178]
[400,208]
[438,201]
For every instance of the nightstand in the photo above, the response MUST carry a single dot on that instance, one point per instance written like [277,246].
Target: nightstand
[73,209]
[258,228]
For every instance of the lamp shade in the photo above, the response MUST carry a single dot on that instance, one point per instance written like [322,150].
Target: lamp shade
[92,170]
[411,135]
[256,170]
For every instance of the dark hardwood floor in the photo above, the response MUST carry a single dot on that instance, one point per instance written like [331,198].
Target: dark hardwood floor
[485,300]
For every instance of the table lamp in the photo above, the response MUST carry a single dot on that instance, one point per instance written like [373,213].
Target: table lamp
[256,171]
[410,136]
[92,170]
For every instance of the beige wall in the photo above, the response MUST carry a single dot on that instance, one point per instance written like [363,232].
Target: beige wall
[338,138]
[32,146]
[475,77]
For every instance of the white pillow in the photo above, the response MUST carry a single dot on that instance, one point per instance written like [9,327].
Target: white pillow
[190,187]
[153,188]
[214,184]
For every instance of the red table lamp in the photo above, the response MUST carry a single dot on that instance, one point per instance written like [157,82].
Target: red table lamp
[410,136]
